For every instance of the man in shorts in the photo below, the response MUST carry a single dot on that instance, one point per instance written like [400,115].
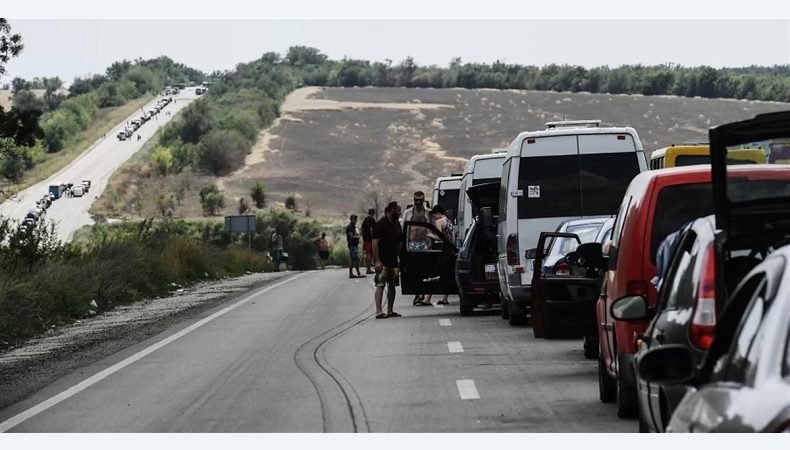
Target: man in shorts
[352,238]
[386,245]
[323,250]
[367,238]
[417,239]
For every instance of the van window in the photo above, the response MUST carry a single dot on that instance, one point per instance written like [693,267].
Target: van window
[503,190]
[550,186]
[448,199]
[604,179]
[691,160]
[676,206]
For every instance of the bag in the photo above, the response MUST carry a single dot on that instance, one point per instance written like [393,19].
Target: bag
[449,231]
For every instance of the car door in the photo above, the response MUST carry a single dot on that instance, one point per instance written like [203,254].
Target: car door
[562,288]
[427,261]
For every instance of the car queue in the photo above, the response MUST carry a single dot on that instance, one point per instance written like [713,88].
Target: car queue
[673,279]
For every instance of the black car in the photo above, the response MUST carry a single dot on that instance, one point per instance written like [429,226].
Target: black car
[743,384]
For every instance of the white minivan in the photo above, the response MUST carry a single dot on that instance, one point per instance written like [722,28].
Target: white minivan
[445,194]
[570,170]
[485,168]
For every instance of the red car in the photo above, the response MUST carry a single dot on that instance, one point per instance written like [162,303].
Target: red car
[655,204]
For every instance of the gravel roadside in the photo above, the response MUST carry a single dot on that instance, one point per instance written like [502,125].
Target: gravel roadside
[33,365]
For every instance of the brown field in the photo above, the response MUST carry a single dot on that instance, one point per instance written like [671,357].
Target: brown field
[333,147]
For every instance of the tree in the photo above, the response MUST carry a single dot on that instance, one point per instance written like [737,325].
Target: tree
[163,159]
[211,200]
[10,44]
[28,101]
[290,202]
[166,205]
[258,194]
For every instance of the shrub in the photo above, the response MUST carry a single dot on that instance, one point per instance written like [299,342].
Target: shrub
[258,194]
[290,202]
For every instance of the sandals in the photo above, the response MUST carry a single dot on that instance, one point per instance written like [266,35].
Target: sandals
[442,302]
[393,314]
[381,316]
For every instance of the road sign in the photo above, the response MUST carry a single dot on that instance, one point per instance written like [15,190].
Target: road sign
[237,224]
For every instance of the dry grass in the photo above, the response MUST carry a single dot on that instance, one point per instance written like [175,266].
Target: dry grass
[105,121]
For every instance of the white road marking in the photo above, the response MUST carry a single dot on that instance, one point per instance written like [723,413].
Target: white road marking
[455,347]
[438,306]
[467,389]
[70,392]
[445,322]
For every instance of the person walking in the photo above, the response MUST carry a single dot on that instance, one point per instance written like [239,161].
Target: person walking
[277,250]
[323,250]
[417,238]
[352,238]
[367,238]
[386,245]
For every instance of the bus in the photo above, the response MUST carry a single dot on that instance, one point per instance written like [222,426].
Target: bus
[689,155]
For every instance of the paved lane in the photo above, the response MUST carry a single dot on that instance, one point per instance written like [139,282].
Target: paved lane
[307,356]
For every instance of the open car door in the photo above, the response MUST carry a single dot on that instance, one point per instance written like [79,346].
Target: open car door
[563,305]
[752,209]
[427,261]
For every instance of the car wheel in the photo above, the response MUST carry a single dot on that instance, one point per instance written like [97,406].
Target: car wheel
[626,397]
[503,308]
[607,390]
[467,310]
[517,316]
[591,347]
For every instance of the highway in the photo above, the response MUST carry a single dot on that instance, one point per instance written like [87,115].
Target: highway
[96,164]
[306,355]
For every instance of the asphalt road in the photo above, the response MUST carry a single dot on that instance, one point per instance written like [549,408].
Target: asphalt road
[96,164]
[306,355]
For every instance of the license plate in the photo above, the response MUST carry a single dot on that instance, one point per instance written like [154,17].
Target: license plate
[490,268]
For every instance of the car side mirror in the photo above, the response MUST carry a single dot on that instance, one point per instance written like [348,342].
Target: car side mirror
[630,307]
[531,253]
[668,364]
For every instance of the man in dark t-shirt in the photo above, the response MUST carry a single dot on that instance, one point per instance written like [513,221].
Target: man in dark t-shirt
[352,238]
[367,238]
[386,246]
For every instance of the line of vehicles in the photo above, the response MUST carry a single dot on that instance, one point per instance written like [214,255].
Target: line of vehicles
[671,272]
[135,124]
[56,191]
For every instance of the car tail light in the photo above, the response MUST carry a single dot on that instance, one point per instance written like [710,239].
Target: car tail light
[636,287]
[703,322]
[562,268]
[512,250]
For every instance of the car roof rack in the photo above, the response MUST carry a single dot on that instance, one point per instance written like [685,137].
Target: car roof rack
[572,124]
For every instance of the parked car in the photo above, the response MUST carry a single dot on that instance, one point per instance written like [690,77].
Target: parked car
[712,255]
[587,230]
[656,203]
[475,267]
[77,191]
[742,386]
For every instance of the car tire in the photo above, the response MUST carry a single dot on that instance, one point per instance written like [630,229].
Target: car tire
[467,310]
[503,307]
[607,388]
[517,316]
[591,349]
[627,407]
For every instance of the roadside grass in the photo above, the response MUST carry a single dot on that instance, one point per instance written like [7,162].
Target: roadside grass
[106,120]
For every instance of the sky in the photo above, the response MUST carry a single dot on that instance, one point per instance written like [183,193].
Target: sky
[82,40]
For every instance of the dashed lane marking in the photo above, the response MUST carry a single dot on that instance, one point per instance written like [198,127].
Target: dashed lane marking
[467,389]
[445,322]
[455,347]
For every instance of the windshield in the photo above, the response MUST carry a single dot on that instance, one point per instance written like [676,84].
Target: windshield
[767,184]
[560,247]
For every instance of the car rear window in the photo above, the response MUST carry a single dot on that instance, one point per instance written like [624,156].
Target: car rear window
[691,160]
[574,185]
[448,199]
[676,206]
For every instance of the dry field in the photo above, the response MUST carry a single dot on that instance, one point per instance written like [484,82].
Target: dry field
[334,147]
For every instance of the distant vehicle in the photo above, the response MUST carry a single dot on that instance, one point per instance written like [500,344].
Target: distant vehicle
[122,136]
[689,155]
[78,191]
[199,91]
[445,194]
[482,168]
[87,183]
[56,189]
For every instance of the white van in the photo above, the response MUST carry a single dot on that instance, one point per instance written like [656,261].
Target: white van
[445,194]
[570,170]
[485,168]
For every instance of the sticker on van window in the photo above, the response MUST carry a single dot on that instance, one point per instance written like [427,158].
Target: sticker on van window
[533,192]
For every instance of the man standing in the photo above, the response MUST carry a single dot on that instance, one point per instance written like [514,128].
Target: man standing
[417,239]
[367,238]
[277,250]
[386,245]
[352,238]
[323,250]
